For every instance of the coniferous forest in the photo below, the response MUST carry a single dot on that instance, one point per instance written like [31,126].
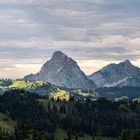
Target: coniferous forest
[38,118]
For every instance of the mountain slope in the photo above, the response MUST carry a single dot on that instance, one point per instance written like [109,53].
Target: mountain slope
[122,74]
[62,71]
[39,87]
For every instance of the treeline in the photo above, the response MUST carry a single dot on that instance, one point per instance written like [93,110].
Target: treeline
[108,92]
[5,82]
[103,117]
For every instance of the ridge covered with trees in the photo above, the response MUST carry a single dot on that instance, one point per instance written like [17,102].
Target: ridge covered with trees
[39,118]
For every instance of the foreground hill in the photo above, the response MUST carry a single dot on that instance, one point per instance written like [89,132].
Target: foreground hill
[40,118]
[122,74]
[62,71]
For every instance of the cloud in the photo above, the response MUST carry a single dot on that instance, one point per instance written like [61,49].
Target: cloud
[94,32]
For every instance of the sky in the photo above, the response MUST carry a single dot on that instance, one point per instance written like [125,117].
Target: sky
[93,32]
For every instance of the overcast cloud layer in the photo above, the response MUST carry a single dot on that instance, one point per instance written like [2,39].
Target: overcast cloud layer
[93,32]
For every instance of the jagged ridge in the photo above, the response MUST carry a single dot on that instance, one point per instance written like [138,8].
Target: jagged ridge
[122,74]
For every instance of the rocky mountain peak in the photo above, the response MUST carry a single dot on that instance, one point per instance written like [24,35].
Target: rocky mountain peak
[63,71]
[59,55]
[122,74]
[127,63]
[60,58]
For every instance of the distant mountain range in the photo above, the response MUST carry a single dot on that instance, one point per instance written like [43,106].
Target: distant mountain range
[63,71]
[62,77]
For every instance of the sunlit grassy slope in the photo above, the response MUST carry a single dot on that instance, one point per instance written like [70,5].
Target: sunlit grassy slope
[24,84]
[6,124]
[61,94]
[55,92]
[44,88]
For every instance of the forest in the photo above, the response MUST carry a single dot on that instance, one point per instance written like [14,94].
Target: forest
[39,118]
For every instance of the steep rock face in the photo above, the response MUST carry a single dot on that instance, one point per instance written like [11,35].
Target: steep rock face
[63,71]
[122,74]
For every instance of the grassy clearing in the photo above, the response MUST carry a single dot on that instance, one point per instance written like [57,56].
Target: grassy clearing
[45,103]
[7,124]
[61,134]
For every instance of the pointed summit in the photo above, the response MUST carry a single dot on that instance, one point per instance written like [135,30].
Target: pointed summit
[59,57]
[126,62]
[58,54]
[62,71]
